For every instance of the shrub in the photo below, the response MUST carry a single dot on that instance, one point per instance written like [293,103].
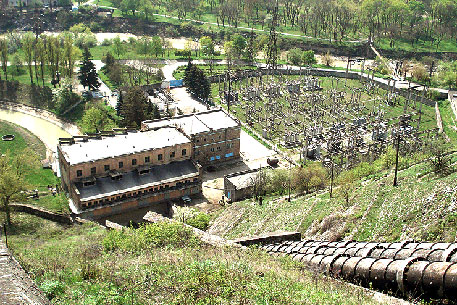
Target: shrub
[419,73]
[107,42]
[183,53]
[310,177]
[86,41]
[52,288]
[327,59]
[150,236]
[308,58]
[192,217]
[294,56]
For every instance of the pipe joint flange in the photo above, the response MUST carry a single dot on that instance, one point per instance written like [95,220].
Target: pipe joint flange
[448,253]
[330,266]
[403,270]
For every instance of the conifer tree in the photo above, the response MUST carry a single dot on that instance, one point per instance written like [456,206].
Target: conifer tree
[87,73]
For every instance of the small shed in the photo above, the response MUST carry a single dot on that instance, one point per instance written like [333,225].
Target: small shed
[238,186]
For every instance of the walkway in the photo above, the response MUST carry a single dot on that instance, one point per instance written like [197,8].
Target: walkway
[16,287]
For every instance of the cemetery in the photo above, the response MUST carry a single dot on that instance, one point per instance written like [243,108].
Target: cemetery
[328,118]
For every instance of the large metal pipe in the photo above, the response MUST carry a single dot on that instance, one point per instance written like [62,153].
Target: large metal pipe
[418,269]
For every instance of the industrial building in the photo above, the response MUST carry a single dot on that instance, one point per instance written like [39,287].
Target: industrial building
[111,172]
[214,134]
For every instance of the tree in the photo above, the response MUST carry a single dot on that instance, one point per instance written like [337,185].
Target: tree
[239,45]
[13,171]
[87,73]
[310,177]
[28,48]
[64,97]
[118,46]
[196,82]
[134,107]
[96,119]
[308,58]
[156,46]
[295,56]
[4,56]
[440,159]
[207,46]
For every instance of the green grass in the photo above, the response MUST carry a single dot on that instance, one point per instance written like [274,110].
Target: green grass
[22,75]
[449,123]
[377,211]
[421,46]
[89,265]
[39,178]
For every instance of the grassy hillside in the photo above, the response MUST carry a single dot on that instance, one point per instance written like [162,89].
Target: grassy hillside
[162,264]
[422,207]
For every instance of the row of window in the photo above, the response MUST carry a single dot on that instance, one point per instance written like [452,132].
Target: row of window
[219,157]
[150,190]
[147,159]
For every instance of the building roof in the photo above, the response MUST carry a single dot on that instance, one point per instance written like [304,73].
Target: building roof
[198,122]
[132,180]
[118,145]
[243,180]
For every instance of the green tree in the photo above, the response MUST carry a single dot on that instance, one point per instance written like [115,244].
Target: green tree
[295,56]
[308,58]
[156,46]
[207,46]
[239,45]
[118,47]
[28,49]
[13,171]
[134,107]
[87,73]
[64,97]
[4,56]
[96,119]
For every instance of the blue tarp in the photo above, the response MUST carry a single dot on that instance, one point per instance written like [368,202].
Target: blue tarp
[176,83]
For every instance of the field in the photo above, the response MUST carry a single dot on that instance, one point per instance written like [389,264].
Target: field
[162,264]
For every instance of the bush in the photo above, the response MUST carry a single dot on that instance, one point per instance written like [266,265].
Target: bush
[327,59]
[294,56]
[107,42]
[183,53]
[192,217]
[150,236]
[52,288]
[308,58]
[308,178]
[86,41]
[419,73]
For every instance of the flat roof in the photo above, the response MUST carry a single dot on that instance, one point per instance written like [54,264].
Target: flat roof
[190,124]
[132,180]
[243,180]
[216,119]
[197,122]
[118,145]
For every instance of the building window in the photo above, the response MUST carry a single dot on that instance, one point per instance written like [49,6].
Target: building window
[106,167]
[93,170]
[204,139]
[212,149]
[198,140]
[229,145]
[160,157]
[79,173]
[172,154]
[184,152]
[147,159]
[218,148]
[121,164]
[133,161]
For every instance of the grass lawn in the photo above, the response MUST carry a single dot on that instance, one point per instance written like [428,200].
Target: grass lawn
[162,264]
[421,46]
[22,75]
[216,69]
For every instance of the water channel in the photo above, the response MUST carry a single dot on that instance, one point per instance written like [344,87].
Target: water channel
[47,132]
